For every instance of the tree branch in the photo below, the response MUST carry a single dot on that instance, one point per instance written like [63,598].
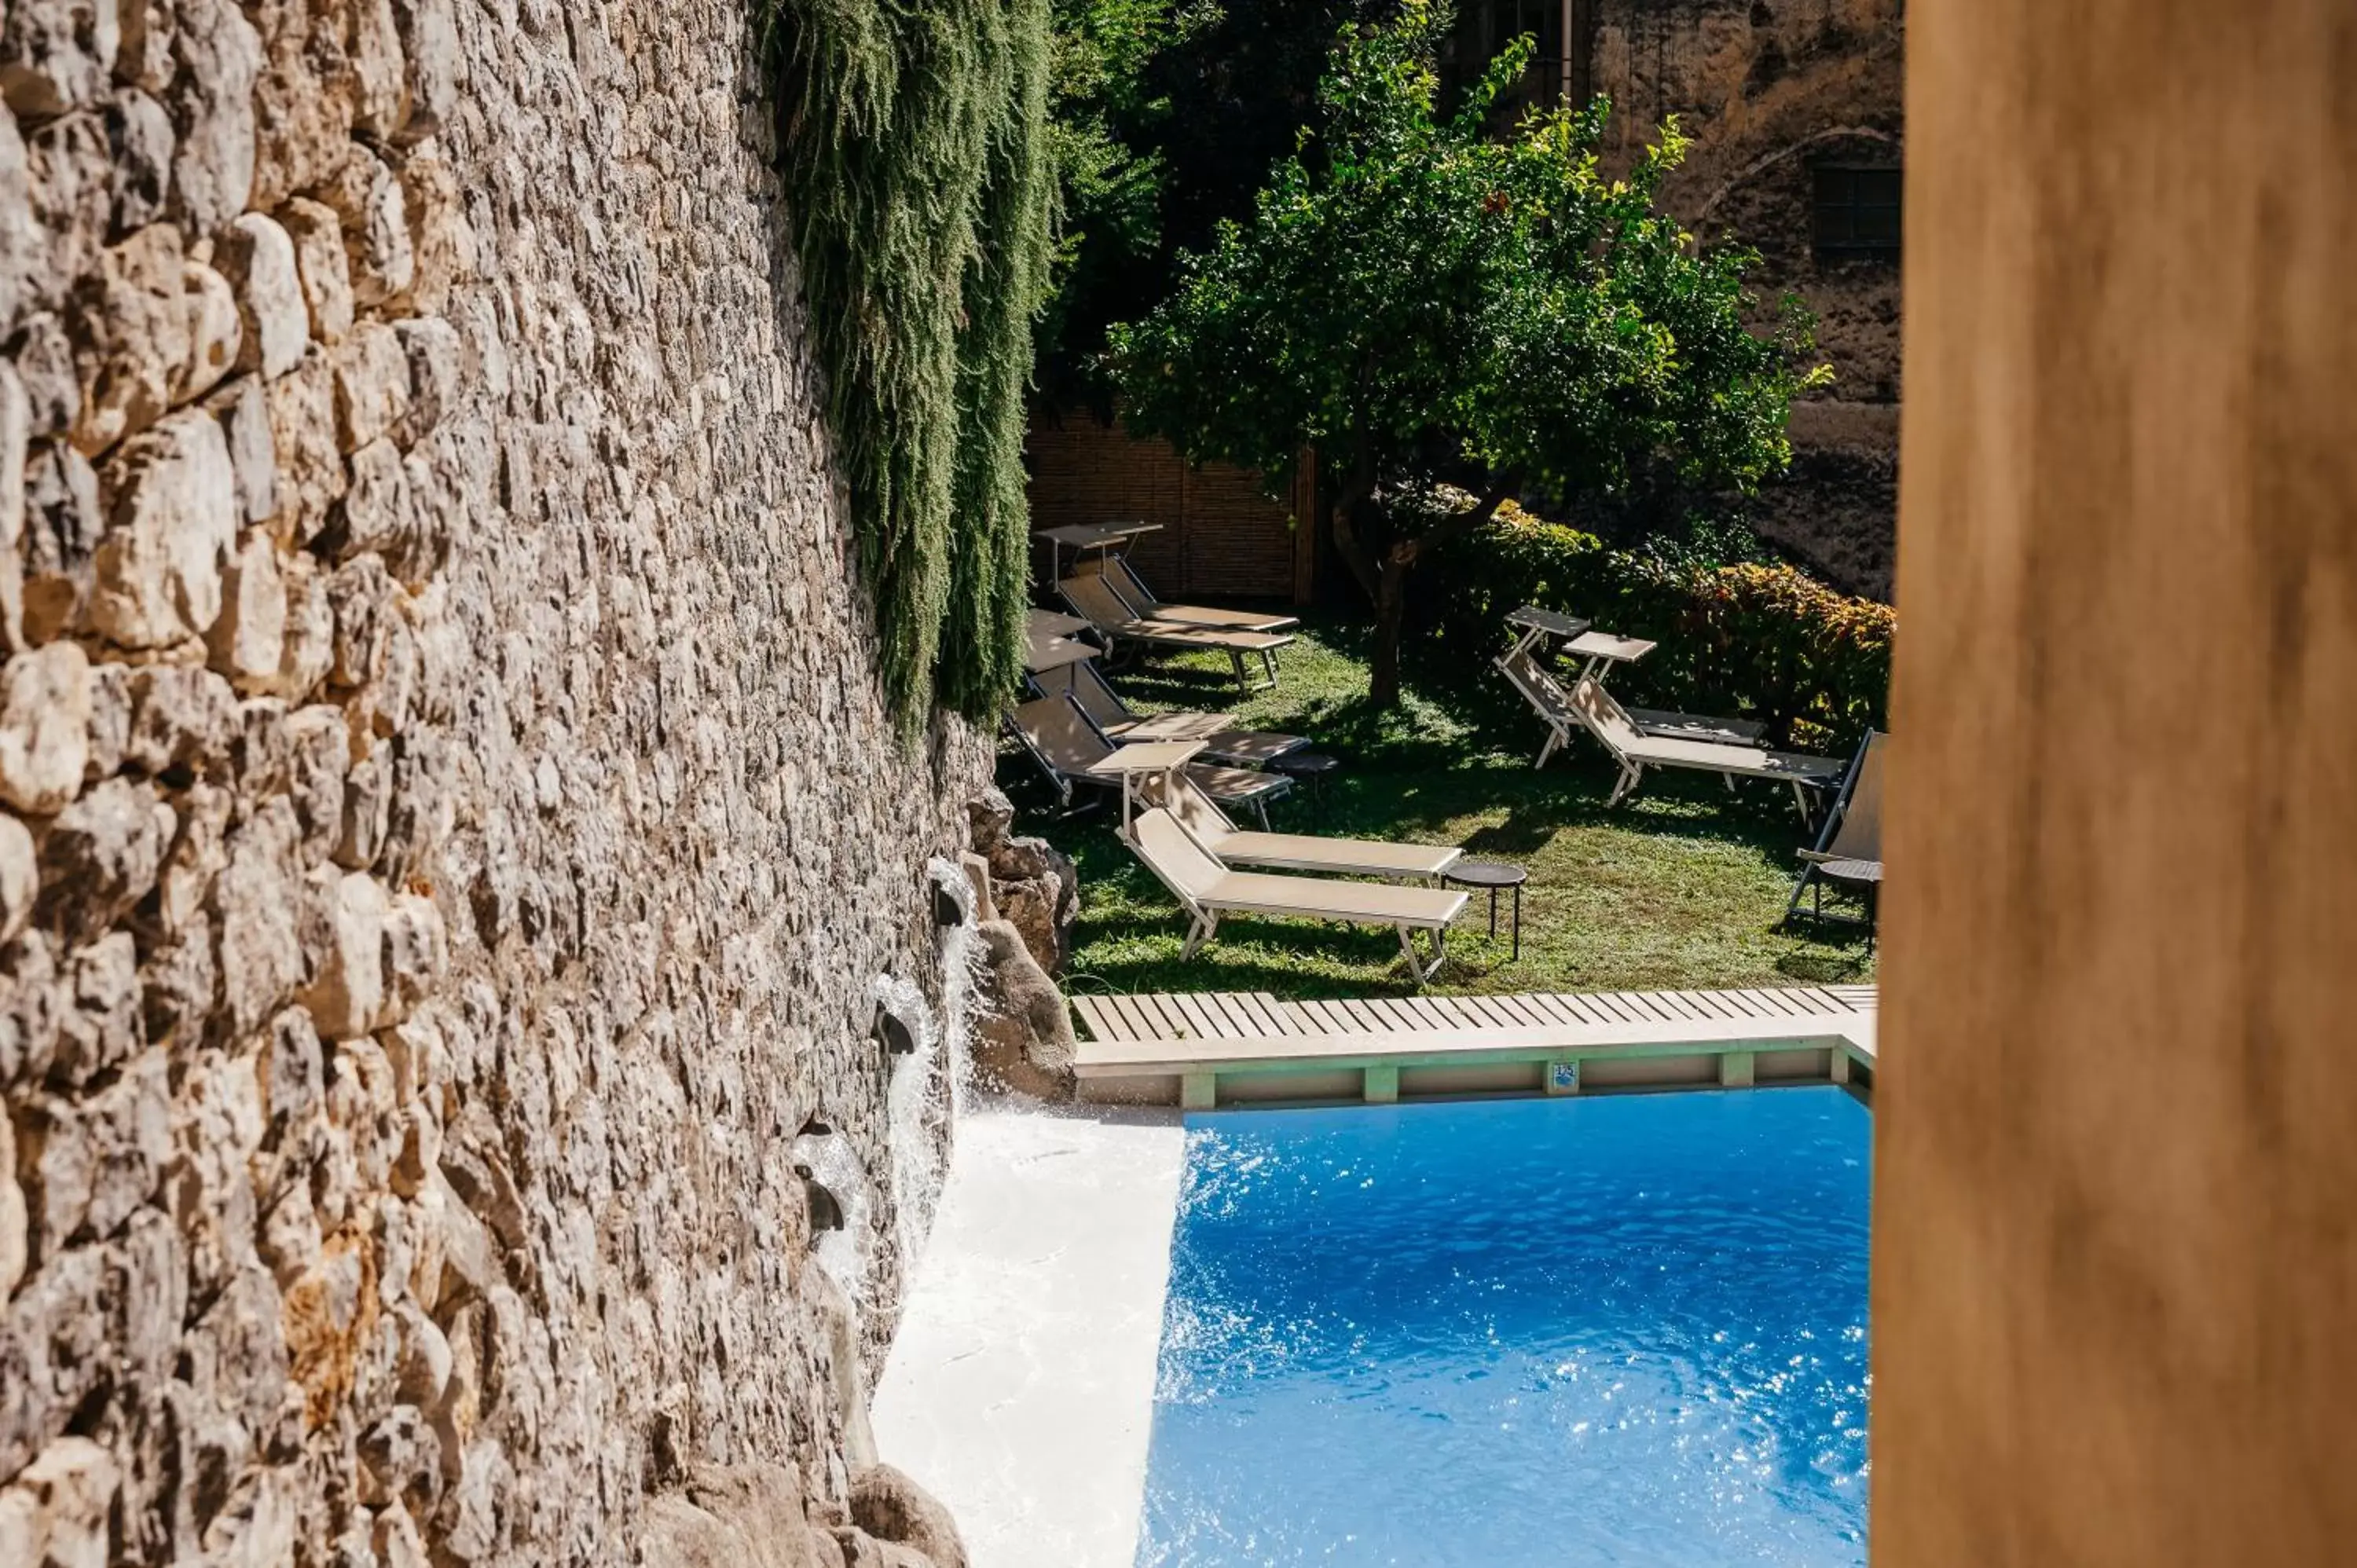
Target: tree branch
[1472,517]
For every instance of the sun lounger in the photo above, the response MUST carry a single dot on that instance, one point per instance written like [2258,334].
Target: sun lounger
[1071,750]
[1209,890]
[1849,846]
[1222,741]
[1142,603]
[1048,623]
[1635,751]
[1523,665]
[1233,846]
[1092,598]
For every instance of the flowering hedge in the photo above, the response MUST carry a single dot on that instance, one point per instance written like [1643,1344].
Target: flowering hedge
[1757,641]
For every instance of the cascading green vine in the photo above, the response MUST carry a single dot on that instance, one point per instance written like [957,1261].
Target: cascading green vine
[922,187]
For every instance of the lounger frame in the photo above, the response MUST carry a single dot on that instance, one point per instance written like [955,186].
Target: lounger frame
[1064,781]
[1077,592]
[1826,852]
[1204,912]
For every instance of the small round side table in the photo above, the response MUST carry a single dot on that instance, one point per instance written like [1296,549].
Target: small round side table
[1309,769]
[1493,874]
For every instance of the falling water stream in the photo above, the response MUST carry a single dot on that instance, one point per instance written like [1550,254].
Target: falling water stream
[930,1084]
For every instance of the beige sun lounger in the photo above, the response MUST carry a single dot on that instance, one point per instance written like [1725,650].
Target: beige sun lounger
[1231,847]
[1635,751]
[1093,597]
[1209,890]
[1547,698]
[1849,847]
[1068,749]
[1146,606]
[1222,741]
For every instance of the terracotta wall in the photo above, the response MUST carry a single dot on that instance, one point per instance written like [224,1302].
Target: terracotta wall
[1223,534]
[2115,1228]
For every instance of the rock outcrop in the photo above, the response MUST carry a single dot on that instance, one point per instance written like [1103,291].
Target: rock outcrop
[1032,883]
[1023,1040]
[448,826]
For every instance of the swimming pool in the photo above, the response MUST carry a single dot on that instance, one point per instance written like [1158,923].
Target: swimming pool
[1625,1330]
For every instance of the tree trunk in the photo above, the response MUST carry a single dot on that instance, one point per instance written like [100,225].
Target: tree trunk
[1391,616]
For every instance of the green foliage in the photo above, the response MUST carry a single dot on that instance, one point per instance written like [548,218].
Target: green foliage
[916,159]
[1168,115]
[1424,302]
[1101,110]
[1753,639]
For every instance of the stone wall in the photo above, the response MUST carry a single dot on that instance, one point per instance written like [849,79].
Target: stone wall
[451,836]
[1768,89]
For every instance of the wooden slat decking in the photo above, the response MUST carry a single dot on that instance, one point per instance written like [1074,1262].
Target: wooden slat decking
[1215,1017]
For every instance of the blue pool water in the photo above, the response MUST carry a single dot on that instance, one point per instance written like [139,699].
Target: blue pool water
[1625,1330]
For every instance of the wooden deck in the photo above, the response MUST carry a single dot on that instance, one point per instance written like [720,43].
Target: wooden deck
[1203,1048]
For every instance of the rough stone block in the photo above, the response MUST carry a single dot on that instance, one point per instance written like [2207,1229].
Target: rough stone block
[14,1243]
[321,267]
[172,517]
[145,31]
[43,357]
[439,241]
[249,641]
[214,330]
[55,55]
[361,594]
[347,911]
[437,358]
[100,856]
[302,101]
[15,435]
[53,1337]
[416,956]
[28,1008]
[20,883]
[44,726]
[379,95]
[136,332]
[140,133]
[243,410]
[377,241]
[375,511]
[371,385]
[72,1487]
[320,757]
[110,720]
[428,34]
[70,188]
[182,720]
[98,1011]
[179,984]
[310,631]
[309,468]
[213,106]
[368,802]
[257,256]
[255,901]
[63,522]
[22,244]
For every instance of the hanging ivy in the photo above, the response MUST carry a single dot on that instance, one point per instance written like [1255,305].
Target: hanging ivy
[922,192]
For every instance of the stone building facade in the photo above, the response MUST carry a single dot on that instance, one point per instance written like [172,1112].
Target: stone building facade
[1796,113]
[452,842]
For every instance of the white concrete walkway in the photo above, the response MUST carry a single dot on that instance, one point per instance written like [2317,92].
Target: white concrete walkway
[1020,1389]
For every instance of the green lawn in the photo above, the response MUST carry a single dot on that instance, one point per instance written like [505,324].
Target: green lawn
[1681,888]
